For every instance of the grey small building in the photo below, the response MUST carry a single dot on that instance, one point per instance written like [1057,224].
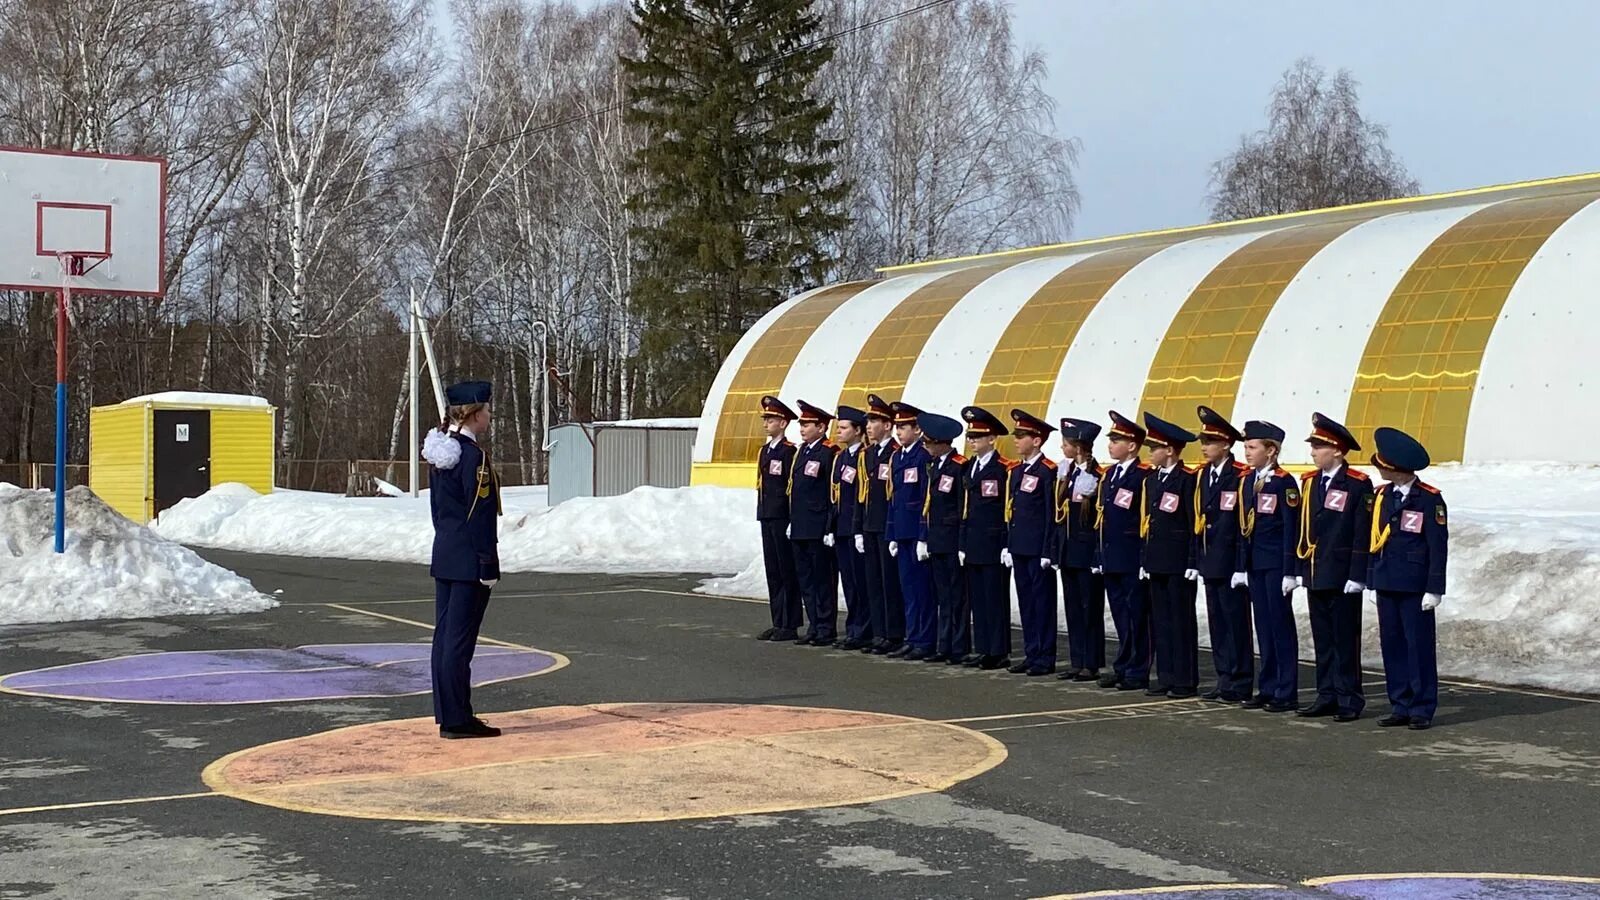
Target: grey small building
[604,459]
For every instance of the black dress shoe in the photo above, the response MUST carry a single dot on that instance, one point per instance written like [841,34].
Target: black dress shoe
[974,661]
[476,728]
[1420,724]
[783,634]
[936,657]
[848,644]
[1109,680]
[1393,721]
[903,651]
[1018,669]
[1213,694]
[1039,671]
[1234,698]
[1069,675]
[766,634]
[1157,691]
[1342,716]
[882,648]
[1317,711]
[873,647]
[955,659]
[1180,694]
[1280,707]
[1087,675]
[1133,685]
[916,654]
[804,640]
[990,663]
[1253,702]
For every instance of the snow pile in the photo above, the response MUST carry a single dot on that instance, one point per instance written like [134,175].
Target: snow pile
[1524,560]
[695,529]
[112,567]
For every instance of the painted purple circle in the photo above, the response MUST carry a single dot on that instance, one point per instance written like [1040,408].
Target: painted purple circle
[312,672]
[1429,886]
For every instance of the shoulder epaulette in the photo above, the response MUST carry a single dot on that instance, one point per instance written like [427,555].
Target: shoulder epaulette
[1048,462]
[828,443]
[1357,474]
[1306,477]
[1188,470]
[1144,465]
[892,445]
[1240,467]
[1009,463]
[1427,487]
[958,459]
[1280,472]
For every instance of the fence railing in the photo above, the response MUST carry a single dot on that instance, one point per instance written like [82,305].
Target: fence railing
[350,477]
[41,475]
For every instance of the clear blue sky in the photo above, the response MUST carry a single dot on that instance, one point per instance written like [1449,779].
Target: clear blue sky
[1473,92]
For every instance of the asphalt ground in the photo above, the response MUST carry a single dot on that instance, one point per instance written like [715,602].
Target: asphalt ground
[1097,790]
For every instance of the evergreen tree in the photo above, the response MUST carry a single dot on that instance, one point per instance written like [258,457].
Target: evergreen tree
[741,201]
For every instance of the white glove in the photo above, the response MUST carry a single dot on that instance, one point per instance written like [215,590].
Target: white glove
[1084,484]
[1191,574]
[1290,582]
[1005,557]
[1354,587]
[1371,595]
[1430,602]
[1044,563]
[894,548]
[788,532]
[491,582]
[1096,570]
[922,551]
[961,557]
[1143,575]
[1239,579]
[861,543]
[827,540]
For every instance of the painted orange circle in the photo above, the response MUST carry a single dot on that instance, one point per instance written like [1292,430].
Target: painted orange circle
[610,763]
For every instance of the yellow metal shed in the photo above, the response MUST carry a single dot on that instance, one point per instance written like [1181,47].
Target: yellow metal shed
[147,453]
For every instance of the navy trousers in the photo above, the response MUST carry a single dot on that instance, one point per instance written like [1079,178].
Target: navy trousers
[1228,614]
[1176,631]
[819,586]
[1336,634]
[921,616]
[1036,601]
[1129,599]
[783,586]
[883,591]
[853,577]
[1410,666]
[458,608]
[990,589]
[1084,600]
[1275,638]
[955,616]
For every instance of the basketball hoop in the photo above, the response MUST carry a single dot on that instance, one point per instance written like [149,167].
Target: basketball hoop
[79,264]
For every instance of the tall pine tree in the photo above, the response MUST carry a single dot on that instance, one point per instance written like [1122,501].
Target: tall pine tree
[741,200]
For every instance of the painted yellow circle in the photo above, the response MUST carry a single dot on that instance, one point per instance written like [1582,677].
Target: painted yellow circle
[610,763]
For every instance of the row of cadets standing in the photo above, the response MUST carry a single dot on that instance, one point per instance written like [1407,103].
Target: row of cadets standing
[945,495]
[1169,563]
[883,576]
[811,521]
[1032,542]
[773,467]
[1083,588]
[849,482]
[1119,515]
[983,541]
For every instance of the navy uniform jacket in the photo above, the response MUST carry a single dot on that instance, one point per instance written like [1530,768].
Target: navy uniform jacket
[849,485]
[1269,523]
[1169,546]
[1335,529]
[1414,537]
[983,524]
[465,502]
[1076,518]
[877,469]
[947,491]
[1120,508]
[811,490]
[1217,533]
[1031,502]
[772,481]
[907,491]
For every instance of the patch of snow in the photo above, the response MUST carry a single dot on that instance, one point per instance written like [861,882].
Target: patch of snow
[112,568]
[197,398]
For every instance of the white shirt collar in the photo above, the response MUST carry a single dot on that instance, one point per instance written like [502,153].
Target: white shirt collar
[1404,489]
[883,443]
[773,442]
[1264,472]
[1167,470]
[466,432]
[1125,465]
[984,459]
[1217,469]
[1033,459]
[854,447]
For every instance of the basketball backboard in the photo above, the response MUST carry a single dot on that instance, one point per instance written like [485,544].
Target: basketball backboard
[107,210]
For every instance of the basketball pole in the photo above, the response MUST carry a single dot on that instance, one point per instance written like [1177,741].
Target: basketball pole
[63,300]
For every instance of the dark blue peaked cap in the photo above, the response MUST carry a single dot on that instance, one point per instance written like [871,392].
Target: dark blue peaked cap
[1215,427]
[772,406]
[1257,430]
[814,414]
[852,415]
[1326,431]
[938,429]
[1028,423]
[1079,430]
[1398,451]
[982,423]
[1160,431]
[464,392]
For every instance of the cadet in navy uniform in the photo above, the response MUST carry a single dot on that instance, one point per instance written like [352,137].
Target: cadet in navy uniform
[772,511]
[1170,563]
[1083,590]
[946,491]
[908,487]
[849,484]
[1269,528]
[1410,540]
[1121,504]
[883,577]
[811,520]
[1217,540]
[1032,543]
[983,540]
[1335,525]
[464,498]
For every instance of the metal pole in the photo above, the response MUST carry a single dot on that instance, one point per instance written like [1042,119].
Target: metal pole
[411,378]
[63,297]
[433,363]
[544,390]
